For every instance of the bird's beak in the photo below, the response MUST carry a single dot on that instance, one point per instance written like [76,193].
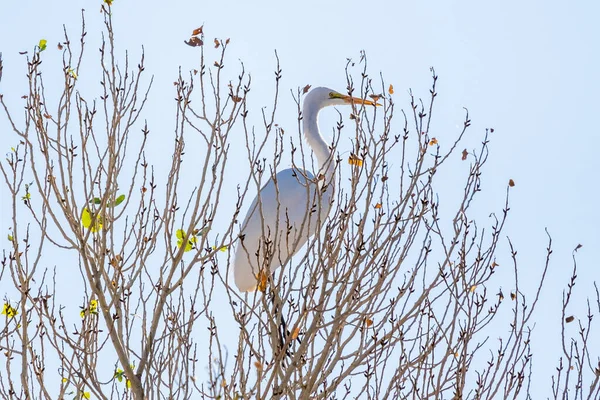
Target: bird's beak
[357,100]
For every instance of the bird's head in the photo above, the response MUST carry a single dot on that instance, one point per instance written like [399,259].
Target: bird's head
[323,97]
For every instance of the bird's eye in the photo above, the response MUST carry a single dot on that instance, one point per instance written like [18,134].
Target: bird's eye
[331,95]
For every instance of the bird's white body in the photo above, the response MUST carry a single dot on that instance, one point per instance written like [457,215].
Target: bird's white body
[292,207]
[293,211]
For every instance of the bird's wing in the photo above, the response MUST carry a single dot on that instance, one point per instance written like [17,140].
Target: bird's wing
[279,217]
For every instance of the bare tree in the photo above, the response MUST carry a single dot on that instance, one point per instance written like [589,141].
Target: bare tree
[392,298]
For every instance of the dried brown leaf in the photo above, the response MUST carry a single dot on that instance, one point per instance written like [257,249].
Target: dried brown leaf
[194,41]
[262,281]
[295,333]
[355,160]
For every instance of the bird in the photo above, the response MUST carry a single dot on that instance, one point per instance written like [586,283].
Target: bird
[291,207]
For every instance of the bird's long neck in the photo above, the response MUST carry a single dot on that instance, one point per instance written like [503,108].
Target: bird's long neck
[315,140]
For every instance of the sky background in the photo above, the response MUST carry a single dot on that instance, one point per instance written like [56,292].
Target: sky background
[528,69]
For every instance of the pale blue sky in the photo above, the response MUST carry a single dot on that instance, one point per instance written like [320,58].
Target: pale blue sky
[528,69]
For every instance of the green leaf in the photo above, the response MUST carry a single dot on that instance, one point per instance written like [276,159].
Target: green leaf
[201,232]
[190,243]
[9,311]
[86,220]
[180,234]
[42,44]
[119,200]
[10,238]
[72,73]
[96,200]
[93,307]
[119,374]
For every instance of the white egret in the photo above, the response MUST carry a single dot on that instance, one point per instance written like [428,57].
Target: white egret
[289,209]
